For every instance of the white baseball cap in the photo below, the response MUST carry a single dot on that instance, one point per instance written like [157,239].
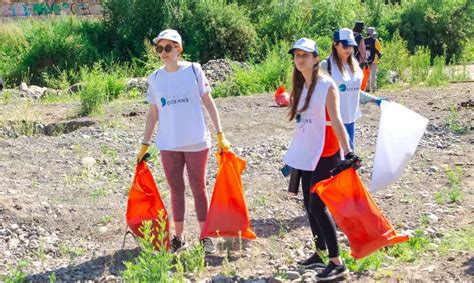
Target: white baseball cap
[371,31]
[169,34]
[305,44]
[345,36]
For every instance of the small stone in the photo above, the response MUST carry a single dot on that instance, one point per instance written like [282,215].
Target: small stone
[432,218]
[88,161]
[102,230]
[13,243]
[275,280]
[434,169]
[451,258]
[292,275]
[23,87]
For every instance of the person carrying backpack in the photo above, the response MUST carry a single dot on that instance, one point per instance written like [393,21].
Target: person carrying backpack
[373,54]
[347,74]
[315,147]
[359,48]
[176,93]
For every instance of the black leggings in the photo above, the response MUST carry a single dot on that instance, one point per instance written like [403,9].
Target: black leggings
[320,221]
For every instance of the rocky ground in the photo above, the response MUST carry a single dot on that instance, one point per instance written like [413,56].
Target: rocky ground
[64,182]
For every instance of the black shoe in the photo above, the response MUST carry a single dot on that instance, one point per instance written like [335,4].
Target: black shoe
[313,261]
[208,246]
[332,271]
[178,245]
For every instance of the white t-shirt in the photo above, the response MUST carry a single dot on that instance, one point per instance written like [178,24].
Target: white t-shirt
[349,86]
[177,96]
[308,140]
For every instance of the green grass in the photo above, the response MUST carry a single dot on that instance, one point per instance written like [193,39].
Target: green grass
[455,179]
[454,123]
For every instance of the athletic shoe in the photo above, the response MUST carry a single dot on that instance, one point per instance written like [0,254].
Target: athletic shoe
[313,261]
[332,271]
[208,246]
[178,245]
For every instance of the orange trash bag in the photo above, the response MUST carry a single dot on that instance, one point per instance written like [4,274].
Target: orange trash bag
[365,80]
[356,214]
[145,203]
[282,98]
[228,215]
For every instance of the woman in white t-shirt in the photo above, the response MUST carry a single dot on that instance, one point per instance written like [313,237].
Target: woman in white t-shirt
[345,71]
[176,93]
[315,147]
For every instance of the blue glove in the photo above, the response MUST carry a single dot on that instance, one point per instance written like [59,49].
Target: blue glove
[378,101]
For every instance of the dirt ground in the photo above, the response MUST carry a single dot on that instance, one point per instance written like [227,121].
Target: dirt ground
[63,197]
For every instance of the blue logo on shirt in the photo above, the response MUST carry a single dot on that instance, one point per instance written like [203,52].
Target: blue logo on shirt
[163,102]
[342,87]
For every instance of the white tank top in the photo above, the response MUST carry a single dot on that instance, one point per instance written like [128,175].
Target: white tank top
[348,85]
[181,120]
[308,140]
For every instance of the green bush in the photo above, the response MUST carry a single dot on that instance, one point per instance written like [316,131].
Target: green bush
[438,24]
[438,74]
[38,47]
[420,65]
[395,58]
[100,85]
[129,22]
[218,31]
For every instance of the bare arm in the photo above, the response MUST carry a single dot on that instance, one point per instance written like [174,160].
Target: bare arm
[212,110]
[332,105]
[151,119]
[363,55]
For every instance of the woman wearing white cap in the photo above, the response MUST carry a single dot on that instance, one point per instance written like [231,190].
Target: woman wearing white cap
[314,149]
[345,71]
[175,94]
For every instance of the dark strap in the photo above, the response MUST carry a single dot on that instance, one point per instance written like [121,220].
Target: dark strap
[329,65]
[194,71]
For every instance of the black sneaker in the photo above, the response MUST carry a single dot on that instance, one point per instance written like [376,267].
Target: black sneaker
[178,245]
[209,247]
[313,261]
[332,271]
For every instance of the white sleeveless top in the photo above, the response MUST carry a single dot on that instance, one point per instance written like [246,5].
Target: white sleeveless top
[177,95]
[348,85]
[308,140]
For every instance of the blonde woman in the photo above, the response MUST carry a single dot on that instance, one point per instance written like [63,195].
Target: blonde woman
[176,93]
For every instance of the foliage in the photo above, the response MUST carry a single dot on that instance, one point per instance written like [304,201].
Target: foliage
[151,265]
[216,30]
[100,85]
[437,24]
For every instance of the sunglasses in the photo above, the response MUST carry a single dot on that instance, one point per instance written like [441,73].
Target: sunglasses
[167,48]
[345,47]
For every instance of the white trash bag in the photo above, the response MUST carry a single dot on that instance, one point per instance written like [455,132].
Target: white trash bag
[400,130]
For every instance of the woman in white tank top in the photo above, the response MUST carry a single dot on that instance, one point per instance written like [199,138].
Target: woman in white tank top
[345,70]
[312,95]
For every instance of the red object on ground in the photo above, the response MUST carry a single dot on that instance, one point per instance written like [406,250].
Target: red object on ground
[145,203]
[282,98]
[365,80]
[356,214]
[228,215]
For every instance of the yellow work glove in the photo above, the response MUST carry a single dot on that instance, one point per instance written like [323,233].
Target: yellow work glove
[142,152]
[223,145]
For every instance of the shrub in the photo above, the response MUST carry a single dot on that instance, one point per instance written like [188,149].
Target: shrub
[420,64]
[395,58]
[218,31]
[437,24]
[100,85]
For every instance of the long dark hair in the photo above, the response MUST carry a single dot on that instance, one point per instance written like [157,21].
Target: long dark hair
[338,61]
[297,89]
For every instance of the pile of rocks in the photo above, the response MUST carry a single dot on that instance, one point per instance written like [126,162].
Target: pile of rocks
[219,70]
